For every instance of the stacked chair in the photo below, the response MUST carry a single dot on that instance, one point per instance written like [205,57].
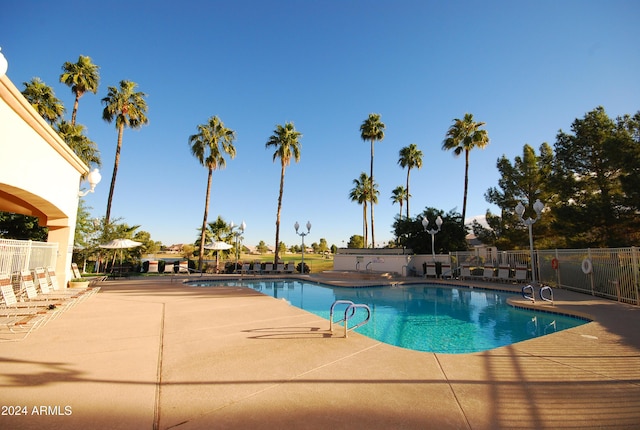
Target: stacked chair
[23,307]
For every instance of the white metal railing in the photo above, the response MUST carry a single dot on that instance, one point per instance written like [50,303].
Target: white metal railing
[18,255]
[612,273]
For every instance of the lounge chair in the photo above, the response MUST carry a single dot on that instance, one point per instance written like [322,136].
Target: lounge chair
[503,272]
[183,267]
[521,273]
[280,268]
[168,268]
[446,271]
[465,271]
[153,267]
[268,267]
[29,293]
[290,268]
[431,270]
[41,280]
[10,303]
[244,269]
[257,268]
[17,318]
[489,273]
[75,270]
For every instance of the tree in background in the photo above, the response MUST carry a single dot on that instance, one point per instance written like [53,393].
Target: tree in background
[461,138]
[44,101]
[372,129]
[399,195]
[410,157]
[210,145]
[129,109]
[360,194]
[81,77]
[524,180]
[356,241]
[262,247]
[452,236]
[588,182]
[624,148]
[286,141]
[82,146]
[21,227]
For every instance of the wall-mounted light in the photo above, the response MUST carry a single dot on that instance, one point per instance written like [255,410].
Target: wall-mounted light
[93,178]
[4,65]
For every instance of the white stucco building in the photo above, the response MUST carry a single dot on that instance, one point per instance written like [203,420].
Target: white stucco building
[39,174]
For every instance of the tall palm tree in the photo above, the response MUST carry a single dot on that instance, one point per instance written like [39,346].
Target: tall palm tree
[82,76]
[286,141]
[399,195]
[44,101]
[129,109]
[360,194]
[372,129]
[462,137]
[209,146]
[410,157]
[83,147]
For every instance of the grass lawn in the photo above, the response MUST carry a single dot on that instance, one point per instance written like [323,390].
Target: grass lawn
[317,263]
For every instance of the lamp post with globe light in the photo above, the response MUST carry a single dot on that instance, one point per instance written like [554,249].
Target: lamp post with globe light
[538,206]
[432,232]
[302,234]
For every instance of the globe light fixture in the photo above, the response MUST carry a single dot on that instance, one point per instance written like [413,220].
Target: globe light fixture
[432,232]
[94,177]
[302,234]
[538,206]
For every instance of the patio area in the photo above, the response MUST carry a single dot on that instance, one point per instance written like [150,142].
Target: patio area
[151,353]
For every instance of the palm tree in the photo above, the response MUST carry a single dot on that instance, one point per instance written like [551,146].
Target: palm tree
[398,195]
[83,147]
[209,146]
[463,136]
[129,109]
[359,193]
[372,129]
[82,76]
[286,142]
[410,157]
[44,101]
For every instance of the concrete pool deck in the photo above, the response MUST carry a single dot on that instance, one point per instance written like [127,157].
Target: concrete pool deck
[150,353]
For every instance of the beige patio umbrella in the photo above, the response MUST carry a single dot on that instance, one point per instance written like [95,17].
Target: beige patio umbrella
[120,244]
[217,246]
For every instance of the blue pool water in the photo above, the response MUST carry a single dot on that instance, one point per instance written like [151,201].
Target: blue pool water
[423,317]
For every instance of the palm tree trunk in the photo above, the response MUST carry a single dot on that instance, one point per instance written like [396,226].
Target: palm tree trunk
[371,196]
[276,256]
[116,163]
[365,226]
[466,185]
[408,172]
[204,221]
[75,109]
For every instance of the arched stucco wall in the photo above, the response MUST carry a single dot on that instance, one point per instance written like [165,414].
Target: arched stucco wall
[39,173]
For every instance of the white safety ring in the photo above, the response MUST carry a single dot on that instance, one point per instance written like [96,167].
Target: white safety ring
[587,267]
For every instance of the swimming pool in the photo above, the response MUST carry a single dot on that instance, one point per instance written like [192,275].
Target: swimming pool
[422,317]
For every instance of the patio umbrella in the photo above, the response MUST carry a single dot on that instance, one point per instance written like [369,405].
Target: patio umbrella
[217,246]
[120,244]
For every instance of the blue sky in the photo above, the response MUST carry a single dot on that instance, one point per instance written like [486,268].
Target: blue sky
[527,69]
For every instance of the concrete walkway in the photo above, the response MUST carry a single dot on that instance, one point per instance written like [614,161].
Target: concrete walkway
[154,354]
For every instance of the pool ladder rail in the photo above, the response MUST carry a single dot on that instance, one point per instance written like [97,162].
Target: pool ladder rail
[349,312]
[528,293]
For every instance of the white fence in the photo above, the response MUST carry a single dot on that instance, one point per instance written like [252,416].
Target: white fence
[17,255]
[612,273]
